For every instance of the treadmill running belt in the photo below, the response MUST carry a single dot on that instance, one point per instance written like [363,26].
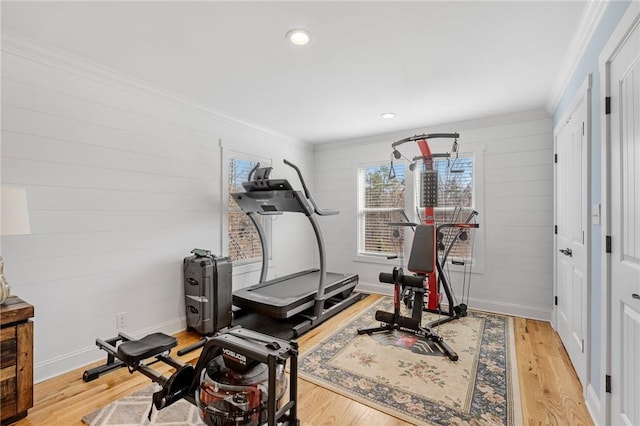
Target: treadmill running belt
[298,287]
[288,295]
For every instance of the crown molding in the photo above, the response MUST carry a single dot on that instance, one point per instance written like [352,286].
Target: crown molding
[21,46]
[586,27]
[458,126]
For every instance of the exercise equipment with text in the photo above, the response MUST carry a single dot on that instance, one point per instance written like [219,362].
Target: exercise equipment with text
[430,253]
[238,378]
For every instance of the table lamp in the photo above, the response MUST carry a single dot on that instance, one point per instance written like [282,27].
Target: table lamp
[15,221]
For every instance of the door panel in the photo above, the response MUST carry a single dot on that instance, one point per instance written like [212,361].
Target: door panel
[624,175]
[571,219]
[578,314]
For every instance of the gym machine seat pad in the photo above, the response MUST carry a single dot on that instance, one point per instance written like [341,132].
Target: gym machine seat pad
[134,351]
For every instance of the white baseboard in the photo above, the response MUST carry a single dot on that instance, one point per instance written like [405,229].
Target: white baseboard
[369,288]
[52,367]
[57,366]
[525,311]
[594,405]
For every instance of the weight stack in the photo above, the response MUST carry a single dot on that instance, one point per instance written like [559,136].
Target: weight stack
[207,292]
[429,195]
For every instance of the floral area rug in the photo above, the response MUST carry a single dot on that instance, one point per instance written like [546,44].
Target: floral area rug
[422,387]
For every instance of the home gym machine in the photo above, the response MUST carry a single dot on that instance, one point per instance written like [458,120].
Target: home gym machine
[238,379]
[428,268]
[313,295]
[421,260]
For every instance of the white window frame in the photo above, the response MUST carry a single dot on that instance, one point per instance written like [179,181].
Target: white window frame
[477,197]
[411,188]
[362,255]
[250,265]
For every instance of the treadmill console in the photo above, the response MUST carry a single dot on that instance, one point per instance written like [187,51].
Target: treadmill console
[261,181]
[270,196]
[262,173]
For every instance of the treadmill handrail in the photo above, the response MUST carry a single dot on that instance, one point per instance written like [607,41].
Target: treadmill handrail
[253,170]
[307,193]
[263,245]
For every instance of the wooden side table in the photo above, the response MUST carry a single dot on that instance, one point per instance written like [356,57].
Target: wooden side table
[16,360]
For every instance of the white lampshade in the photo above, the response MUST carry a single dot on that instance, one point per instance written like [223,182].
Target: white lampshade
[15,213]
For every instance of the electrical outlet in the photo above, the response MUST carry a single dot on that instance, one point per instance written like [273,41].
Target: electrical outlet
[121,320]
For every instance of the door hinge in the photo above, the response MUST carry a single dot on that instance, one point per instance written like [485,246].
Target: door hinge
[607,105]
[555,300]
[582,346]
[555,158]
[607,240]
[555,229]
[583,128]
[607,383]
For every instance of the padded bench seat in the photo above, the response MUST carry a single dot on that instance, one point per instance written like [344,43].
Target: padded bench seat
[133,351]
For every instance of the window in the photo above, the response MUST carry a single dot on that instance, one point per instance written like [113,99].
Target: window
[381,195]
[382,199]
[456,203]
[243,240]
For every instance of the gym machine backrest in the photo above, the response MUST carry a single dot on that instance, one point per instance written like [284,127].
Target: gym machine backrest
[422,257]
[422,262]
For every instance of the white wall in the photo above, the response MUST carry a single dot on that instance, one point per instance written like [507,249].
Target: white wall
[122,182]
[516,221]
[589,64]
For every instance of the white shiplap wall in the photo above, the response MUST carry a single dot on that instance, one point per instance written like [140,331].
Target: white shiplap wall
[514,243]
[122,182]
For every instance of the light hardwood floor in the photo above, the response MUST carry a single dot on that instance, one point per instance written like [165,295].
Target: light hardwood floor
[550,391]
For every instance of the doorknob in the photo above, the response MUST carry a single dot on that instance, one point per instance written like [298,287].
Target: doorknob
[635,296]
[566,252]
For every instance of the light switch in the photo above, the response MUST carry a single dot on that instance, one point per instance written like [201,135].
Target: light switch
[595,214]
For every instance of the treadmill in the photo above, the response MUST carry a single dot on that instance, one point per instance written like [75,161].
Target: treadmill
[314,294]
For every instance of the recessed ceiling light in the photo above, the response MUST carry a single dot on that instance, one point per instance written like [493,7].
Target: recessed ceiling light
[299,36]
[388,115]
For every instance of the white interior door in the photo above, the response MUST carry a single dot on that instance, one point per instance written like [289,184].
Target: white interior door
[571,280]
[624,175]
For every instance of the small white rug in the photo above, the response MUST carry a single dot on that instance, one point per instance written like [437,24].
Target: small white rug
[133,410]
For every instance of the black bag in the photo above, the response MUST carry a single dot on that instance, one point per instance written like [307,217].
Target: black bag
[207,291]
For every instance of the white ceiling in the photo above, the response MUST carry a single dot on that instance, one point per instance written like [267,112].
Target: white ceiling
[431,62]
